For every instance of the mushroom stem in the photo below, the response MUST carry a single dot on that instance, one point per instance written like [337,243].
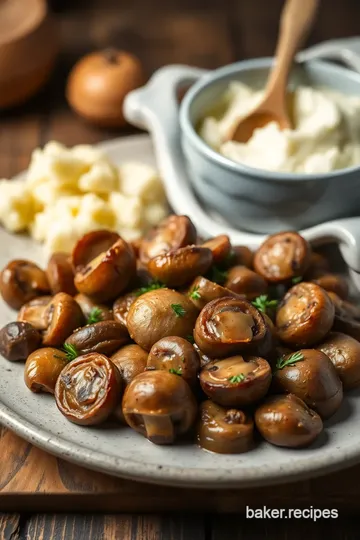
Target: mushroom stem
[159,429]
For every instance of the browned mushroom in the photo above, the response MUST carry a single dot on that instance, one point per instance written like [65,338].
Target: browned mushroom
[60,274]
[121,307]
[287,421]
[229,325]
[180,266]
[21,281]
[305,315]
[347,316]
[224,431]
[310,375]
[203,358]
[318,264]
[42,369]
[332,283]
[104,265]
[103,337]
[282,257]
[35,312]
[159,405]
[88,389]
[220,248]
[172,233]
[130,361]
[18,340]
[175,355]
[63,315]
[236,381]
[92,311]
[344,353]
[245,282]
[202,291]
[158,314]
[242,256]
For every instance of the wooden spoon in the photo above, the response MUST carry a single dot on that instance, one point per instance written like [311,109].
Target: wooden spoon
[296,19]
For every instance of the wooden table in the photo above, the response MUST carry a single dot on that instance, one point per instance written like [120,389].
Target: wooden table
[206,33]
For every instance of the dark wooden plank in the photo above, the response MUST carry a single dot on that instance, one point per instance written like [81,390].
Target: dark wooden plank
[123,527]
[9,526]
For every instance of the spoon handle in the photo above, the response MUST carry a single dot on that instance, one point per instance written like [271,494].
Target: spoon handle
[296,20]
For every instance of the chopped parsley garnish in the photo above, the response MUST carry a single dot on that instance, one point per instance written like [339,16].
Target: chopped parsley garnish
[194,294]
[150,287]
[175,371]
[218,276]
[95,316]
[237,378]
[290,361]
[191,339]
[262,303]
[71,351]
[296,280]
[178,310]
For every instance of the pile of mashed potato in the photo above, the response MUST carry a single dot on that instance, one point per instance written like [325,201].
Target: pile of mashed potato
[68,192]
[326,134]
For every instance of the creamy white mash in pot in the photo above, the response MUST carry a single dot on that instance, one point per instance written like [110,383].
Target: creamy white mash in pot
[325,137]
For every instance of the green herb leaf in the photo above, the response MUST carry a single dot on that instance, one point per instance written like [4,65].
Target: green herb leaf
[262,303]
[71,351]
[175,371]
[218,276]
[191,339]
[178,310]
[296,280]
[237,378]
[194,294]
[151,287]
[95,316]
[284,362]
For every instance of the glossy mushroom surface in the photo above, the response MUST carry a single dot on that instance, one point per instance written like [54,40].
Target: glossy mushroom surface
[243,281]
[312,377]
[220,248]
[305,315]
[344,353]
[202,291]
[333,283]
[159,405]
[159,314]
[35,312]
[175,355]
[60,274]
[178,267]
[21,281]
[236,381]
[42,369]
[130,361]
[121,307]
[285,420]
[18,340]
[63,315]
[242,256]
[282,257]
[173,232]
[104,337]
[92,310]
[104,264]
[229,325]
[88,389]
[224,431]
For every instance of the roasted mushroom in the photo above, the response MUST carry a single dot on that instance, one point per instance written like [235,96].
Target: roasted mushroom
[130,361]
[60,274]
[21,281]
[220,248]
[243,281]
[35,312]
[18,340]
[172,233]
[121,307]
[203,358]
[229,325]
[344,353]
[92,311]
[104,264]
[103,337]
[318,264]
[159,405]
[305,315]
[224,431]
[287,421]
[332,283]
[202,291]
[347,316]
[88,389]
[310,375]
[158,314]
[282,257]
[235,381]
[42,369]
[175,355]
[63,315]
[242,256]
[180,266]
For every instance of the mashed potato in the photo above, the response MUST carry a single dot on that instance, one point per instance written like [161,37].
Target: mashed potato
[326,134]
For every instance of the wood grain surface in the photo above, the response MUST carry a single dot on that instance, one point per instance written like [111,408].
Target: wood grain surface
[207,33]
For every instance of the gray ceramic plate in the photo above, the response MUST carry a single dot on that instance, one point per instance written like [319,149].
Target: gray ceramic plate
[119,451]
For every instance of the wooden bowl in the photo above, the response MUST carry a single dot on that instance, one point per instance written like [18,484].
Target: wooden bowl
[28,47]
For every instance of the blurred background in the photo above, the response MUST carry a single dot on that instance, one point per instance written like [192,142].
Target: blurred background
[206,33]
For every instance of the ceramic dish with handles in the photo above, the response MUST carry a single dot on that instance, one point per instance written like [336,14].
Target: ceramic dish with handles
[223,196]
